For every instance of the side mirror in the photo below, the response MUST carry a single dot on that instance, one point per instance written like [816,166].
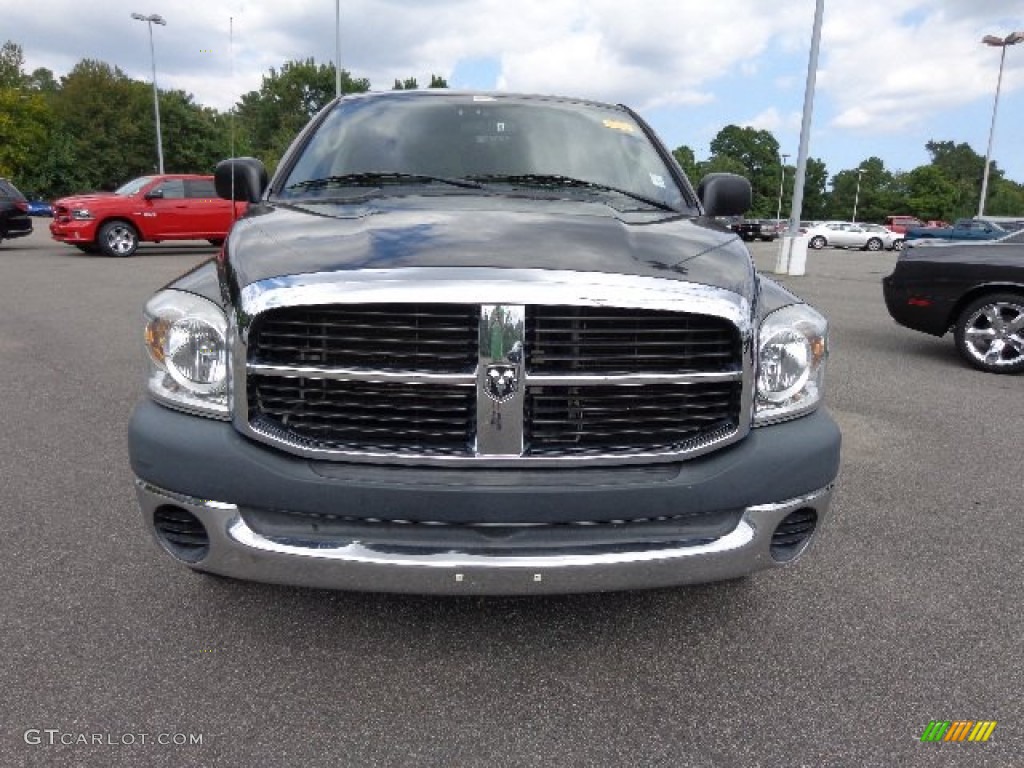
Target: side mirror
[242,179]
[156,194]
[724,194]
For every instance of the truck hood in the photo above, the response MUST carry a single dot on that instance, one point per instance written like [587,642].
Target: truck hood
[494,232]
[78,201]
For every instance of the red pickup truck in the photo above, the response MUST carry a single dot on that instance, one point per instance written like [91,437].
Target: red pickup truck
[900,224]
[150,209]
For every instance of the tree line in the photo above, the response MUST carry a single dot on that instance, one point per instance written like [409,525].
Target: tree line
[93,129]
[947,188]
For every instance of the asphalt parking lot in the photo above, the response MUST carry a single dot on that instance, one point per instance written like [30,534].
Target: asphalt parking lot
[906,611]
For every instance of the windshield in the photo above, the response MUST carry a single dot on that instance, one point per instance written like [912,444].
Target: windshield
[527,142]
[133,186]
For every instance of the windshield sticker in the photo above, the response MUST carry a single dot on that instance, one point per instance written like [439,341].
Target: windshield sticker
[658,181]
[619,125]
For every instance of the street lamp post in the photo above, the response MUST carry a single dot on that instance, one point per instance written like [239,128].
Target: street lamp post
[337,48]
[996,42]
[792,258]
[856,197]
[154,18]
[782,181]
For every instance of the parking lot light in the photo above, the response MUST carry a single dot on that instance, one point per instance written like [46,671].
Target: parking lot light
[1003,43]
[155,18]
[782,180]
[856,197]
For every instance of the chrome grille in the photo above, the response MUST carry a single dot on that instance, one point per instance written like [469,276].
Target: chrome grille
[363,416]
[626,419]
[338,376]
[613,340]
[431,337]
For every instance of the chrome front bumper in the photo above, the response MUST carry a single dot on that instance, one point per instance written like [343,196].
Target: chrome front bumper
[237,551]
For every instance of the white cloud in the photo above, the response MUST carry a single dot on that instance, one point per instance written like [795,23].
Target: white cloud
[884,76]
[887,66]
[774,121]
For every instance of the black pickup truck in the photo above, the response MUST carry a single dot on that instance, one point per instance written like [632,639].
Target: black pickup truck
[482,343]
[755,229]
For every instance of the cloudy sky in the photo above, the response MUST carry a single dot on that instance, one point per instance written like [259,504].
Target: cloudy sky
[892,75]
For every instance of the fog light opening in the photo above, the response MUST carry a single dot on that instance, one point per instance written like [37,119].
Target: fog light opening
[181,533]
[793,534]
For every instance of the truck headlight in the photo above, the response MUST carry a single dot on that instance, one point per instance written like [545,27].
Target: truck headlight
[81,214]
[791,353]
[186,337]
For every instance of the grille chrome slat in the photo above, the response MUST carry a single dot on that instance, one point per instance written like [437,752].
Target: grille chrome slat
[394,380]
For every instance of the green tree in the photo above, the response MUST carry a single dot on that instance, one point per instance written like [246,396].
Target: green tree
[195,138]
[878,194]
[11,62]
[41,80]
[285,102]
[687,161]
[409,84]
[816,198]
[109,118]
[964,168]
[758,153]
[25,121]
[1006,199]
[720,164]
[930,193]
[436,81]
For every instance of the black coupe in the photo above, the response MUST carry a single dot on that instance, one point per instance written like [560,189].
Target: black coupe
[975,289]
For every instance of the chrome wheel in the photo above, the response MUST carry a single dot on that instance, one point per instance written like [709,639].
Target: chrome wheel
[990,334]
[118,238]
[874,244]
[817,242]
[897,245]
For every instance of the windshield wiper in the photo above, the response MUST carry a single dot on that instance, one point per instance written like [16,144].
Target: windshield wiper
[372,179]
[555,180]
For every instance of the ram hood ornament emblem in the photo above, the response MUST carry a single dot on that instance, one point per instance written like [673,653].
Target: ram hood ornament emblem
[501,382]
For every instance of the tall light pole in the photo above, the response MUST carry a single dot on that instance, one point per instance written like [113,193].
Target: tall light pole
[856,197]
[793,254]
[154,18]
[996,42]
[337,48]
[782,181]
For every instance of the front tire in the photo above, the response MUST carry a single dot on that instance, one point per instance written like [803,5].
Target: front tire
[818,242]
[990,333]
[874,244]
[118,239]
[897,245]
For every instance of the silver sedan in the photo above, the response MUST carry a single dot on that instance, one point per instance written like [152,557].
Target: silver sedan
[841,234]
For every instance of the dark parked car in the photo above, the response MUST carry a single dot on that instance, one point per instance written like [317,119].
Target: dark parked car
[14,218]
[482,343]
[756,229]
[40,208]
[963,229]
[974,289]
